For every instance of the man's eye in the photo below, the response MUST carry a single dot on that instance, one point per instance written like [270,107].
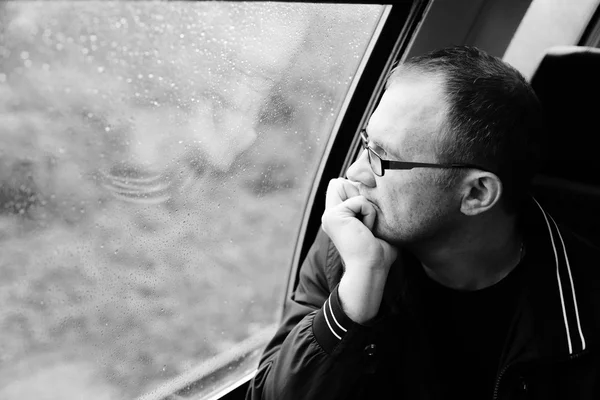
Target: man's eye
[381,152]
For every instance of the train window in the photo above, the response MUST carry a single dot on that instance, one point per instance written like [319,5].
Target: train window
[155,162]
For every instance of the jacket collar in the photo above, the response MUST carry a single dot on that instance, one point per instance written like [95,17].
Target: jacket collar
[548,323]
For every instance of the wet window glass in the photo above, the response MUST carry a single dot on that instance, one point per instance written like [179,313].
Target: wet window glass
[155,162]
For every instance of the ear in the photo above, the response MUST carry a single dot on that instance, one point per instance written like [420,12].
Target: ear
[481,191]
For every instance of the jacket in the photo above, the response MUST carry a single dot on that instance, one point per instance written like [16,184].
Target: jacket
[549,353]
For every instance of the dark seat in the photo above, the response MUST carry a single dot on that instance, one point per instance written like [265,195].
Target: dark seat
[567,83]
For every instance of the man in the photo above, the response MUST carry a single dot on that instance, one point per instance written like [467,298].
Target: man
[435,274]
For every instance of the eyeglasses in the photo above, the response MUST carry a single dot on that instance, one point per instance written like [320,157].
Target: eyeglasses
[378,165]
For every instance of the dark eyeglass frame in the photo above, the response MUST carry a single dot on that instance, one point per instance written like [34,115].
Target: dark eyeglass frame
[405,165]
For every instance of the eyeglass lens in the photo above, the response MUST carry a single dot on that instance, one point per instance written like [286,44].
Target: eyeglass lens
[374,161]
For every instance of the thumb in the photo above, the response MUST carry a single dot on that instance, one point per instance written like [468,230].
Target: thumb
[390,253]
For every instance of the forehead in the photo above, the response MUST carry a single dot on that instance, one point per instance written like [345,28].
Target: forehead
[410,116]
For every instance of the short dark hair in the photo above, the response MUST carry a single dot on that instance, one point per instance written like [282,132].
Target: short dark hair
[494,117]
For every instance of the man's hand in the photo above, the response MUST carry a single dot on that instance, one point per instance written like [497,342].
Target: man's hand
[348,220]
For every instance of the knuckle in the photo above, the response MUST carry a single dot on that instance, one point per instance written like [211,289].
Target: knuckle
[325,218]
[336,182]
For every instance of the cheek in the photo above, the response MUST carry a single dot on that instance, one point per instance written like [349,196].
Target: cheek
[393,205]
[401,194]
[406,202]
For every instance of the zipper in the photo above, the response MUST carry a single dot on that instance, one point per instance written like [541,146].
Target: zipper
[506,367]
[500,375]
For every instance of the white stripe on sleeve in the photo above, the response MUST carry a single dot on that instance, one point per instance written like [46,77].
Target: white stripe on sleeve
[335,320]
[328,324]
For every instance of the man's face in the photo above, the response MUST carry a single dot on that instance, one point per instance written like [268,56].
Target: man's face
[412,206]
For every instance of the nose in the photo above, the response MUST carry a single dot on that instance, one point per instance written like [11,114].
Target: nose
[360,171]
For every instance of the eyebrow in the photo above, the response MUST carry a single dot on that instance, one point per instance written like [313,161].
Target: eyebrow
[374,141]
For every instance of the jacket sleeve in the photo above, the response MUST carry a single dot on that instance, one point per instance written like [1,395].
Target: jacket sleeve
[317,350]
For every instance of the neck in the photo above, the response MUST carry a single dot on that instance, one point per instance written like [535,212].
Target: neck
[477,256]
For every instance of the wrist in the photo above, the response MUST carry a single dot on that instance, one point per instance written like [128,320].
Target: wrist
[360,295]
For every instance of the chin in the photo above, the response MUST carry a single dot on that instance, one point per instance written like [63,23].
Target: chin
[382,233]
[395,238]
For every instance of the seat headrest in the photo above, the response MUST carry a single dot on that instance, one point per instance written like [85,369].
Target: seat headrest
[567,82]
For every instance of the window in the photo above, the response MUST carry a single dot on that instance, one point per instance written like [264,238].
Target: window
[155,161]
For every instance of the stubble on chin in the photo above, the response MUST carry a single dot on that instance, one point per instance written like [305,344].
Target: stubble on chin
[382,231]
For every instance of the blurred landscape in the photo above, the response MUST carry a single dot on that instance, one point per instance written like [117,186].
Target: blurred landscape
[155,161]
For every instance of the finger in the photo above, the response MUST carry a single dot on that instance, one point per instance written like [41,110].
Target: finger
[362,208]
[338,191]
